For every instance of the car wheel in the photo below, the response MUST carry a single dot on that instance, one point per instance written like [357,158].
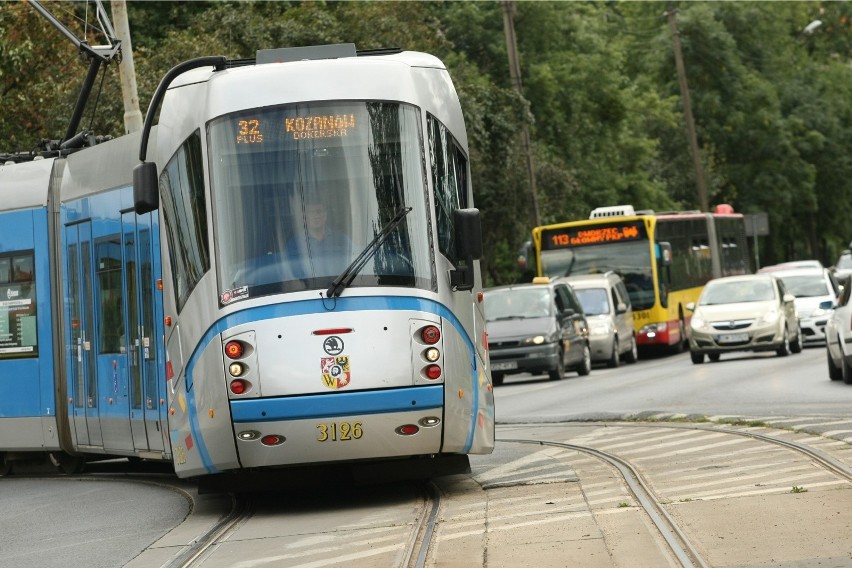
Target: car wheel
[796,345]
[784,349]
[846,370]
[697,358]
[5,466]
[834,372]
[614,357]
[713,357]
[585,366]
[559,372]
[633,354]
[496,379]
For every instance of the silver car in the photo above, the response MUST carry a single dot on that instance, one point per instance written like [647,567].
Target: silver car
[609,314]
[743,313]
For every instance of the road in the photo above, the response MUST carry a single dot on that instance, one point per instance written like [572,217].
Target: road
[789,395]
[739,385]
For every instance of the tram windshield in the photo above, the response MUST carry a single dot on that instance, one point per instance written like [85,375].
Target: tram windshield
[300,190]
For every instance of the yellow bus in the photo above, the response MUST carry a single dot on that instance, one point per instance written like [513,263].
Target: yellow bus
[664,259]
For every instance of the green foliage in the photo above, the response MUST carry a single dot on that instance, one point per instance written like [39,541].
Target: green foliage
[600,98]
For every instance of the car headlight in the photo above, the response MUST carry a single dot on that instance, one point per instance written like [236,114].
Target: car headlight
[770,317]
[600,328]
[697,322]
[819,312]
[536,340]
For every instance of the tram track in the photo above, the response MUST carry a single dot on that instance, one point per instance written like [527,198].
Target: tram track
[412,547]
[677,542]
[672,534]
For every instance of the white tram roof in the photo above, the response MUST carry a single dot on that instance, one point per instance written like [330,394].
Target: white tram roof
[402,76]
[24,185]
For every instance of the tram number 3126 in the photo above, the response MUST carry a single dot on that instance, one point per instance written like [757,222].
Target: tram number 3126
[339,431]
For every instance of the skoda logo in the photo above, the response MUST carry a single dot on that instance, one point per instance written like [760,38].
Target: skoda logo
[333,345]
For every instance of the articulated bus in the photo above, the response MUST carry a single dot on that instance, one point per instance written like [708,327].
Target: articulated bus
[664,259]
[196,308]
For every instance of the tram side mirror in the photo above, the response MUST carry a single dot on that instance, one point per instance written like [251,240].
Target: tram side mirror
[146,196]
[468,237]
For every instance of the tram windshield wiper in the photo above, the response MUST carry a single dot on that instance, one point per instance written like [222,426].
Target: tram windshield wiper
[345,278]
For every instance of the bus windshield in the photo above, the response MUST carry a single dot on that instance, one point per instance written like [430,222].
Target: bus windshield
[300,190]
[630,260]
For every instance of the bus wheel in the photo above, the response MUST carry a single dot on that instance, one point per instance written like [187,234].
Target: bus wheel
[66,463]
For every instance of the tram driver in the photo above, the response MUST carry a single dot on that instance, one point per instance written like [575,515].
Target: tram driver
[318,248]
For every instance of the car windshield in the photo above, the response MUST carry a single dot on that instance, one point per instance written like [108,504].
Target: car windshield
[806,285]
[299,191]
[737,291]
[517,303]
[844,262]
[595,301]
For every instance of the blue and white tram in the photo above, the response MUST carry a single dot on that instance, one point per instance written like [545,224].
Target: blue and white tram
[320,298]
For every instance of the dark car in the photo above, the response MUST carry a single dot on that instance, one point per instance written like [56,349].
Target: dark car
[536,328]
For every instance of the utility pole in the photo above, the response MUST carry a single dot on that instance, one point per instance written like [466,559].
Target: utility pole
[515,74]
[687,111]
[126,70]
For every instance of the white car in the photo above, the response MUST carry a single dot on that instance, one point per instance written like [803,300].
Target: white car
[815,290]
[838,337]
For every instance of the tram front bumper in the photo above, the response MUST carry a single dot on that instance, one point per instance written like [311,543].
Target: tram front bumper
[355,425]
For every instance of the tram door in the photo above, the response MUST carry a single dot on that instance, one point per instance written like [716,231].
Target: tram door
[141,337]
[82,383]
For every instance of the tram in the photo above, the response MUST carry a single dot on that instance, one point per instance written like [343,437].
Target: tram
[282,272]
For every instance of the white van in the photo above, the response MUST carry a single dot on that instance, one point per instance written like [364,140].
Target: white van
[609,314]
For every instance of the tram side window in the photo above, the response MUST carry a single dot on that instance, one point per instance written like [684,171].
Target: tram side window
[449,178]
[184,212]
[18,334]
[110,295]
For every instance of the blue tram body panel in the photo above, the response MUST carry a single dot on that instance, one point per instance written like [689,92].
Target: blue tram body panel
[27,397]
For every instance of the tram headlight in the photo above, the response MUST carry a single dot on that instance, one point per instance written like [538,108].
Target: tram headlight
[236,369]
[432,354]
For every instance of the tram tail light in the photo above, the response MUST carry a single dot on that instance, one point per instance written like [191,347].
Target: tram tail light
[234,349]
[239,386]
[430,334]
[272,440]
[407,429]
[432,372]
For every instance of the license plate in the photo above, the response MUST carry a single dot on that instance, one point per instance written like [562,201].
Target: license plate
[339,431]
[507,366]
[732,338]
